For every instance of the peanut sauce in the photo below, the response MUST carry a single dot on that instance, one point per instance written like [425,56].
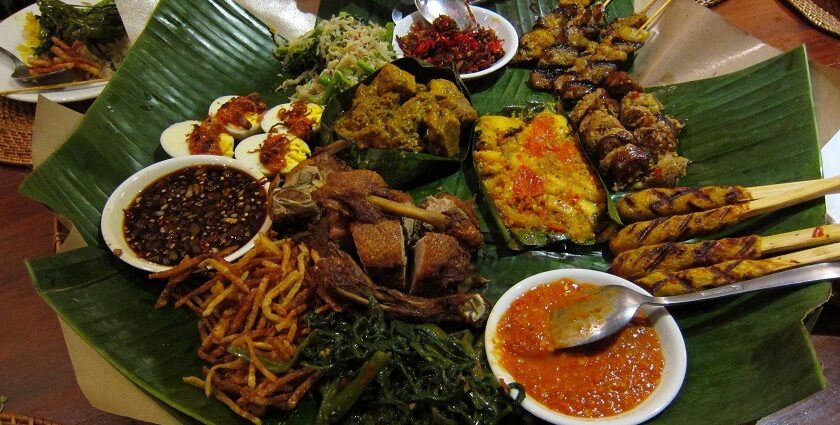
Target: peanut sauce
[194,211]
[604,378]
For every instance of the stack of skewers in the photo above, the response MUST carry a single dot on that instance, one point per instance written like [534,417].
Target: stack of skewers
[650,253]
[624,129]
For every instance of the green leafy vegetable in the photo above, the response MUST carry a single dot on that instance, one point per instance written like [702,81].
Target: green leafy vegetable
[96,25]
[404,373]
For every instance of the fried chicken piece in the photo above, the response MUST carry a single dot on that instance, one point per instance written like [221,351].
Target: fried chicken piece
[346,192]
[440,264]
[462,222]
[381,250]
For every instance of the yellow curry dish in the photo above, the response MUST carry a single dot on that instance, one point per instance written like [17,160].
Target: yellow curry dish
[538,179]
[396,112]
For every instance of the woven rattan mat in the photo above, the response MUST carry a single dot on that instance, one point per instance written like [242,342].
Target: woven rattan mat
[12,419]
[16,120]
[822,13]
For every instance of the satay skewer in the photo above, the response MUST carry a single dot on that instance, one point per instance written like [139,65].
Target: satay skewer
[655,15]
[686,226]
[675,256]
[649,204]
[729,272]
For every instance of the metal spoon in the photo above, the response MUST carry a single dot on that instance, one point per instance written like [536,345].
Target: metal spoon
[21,72]
[458,10]
[611,307]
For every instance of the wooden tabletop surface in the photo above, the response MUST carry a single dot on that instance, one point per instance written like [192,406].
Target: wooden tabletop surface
[35,371]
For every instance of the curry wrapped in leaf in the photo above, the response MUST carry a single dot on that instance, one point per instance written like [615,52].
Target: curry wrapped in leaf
[538,180]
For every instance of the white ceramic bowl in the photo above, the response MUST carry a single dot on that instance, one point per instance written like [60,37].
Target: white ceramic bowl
[113,214]
[485,18]
[673,350]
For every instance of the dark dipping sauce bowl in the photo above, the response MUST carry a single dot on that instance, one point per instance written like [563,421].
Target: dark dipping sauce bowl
[183,206]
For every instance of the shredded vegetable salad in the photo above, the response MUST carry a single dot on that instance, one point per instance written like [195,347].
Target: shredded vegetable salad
[335,55]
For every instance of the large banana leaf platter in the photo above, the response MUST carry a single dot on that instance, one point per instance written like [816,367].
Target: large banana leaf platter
[748,356]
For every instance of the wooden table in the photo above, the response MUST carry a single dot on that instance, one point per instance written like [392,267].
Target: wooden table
[35,370]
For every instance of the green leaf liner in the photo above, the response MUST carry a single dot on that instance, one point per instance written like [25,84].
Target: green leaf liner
[398,167]
[748,356]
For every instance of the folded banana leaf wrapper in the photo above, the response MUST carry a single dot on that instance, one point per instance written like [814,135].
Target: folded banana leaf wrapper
[748,356]
[399,167]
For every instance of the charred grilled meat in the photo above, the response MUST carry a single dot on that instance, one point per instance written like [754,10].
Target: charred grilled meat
[653,203]
[676,228]
[663,284]
[639,262]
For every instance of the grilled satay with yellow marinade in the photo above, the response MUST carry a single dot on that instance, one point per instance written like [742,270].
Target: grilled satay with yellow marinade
[663,284]
[675,256]
[686,226]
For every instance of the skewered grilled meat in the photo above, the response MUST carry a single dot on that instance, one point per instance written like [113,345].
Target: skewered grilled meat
[559,55]
[619,83]
[338,280]
[676,228]
[543,79]
[645,260]
[598,100]
[663,284]
[381,250]
[652,203]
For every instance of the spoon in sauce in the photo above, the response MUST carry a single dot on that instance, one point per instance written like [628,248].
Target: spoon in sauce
[611,307]
[458,10]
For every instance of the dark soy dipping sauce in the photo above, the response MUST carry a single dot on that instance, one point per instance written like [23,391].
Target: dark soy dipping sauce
[194,211]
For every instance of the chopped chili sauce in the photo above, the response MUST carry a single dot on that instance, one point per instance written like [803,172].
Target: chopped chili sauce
[818,232]
[204,139]
[604,378]
[471,50]
[274,150]
[527,183]
[296,120]
[235,111]
[194,211]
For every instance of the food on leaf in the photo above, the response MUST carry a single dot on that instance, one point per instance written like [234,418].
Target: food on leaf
[396,112]
[272,153]
[334,56]
[196,138]
[443,44]
[662,202]
[240,115]
[537,177]
[299,118]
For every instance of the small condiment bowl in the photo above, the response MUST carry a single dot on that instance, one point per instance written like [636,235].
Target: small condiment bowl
[485,18]
[671,340]
[114,212]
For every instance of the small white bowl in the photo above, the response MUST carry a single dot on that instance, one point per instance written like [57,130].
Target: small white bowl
[485,18]
[673,350]
[114,212]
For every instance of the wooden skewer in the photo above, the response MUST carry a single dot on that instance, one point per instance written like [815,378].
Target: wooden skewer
[646,8]
[758,192]
[792,195]
[810,256]
[655,15]
[434,218]
[800,239]
[605,4]
[52,86]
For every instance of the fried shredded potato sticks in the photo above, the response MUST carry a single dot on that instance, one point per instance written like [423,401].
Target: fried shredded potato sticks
[250,318]
[66,56]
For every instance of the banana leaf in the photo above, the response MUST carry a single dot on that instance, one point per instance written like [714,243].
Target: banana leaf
[398,167]
[748,356]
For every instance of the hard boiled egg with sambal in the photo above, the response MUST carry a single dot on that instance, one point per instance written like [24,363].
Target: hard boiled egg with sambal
[240,115]
[196,138]
[272,153]
[298,118]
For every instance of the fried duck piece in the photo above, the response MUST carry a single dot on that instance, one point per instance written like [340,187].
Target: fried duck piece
[653,203]
[347,191]
[663,284]
[381,250]
[338,280]
[639,262]
[676,228]
[462,223]
[441,263]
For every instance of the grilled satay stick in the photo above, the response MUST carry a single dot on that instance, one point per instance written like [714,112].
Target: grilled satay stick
[675,256]
[686,226]
[663,284]
[649,204]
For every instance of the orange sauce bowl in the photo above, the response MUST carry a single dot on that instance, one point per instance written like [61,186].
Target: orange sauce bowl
[625,379]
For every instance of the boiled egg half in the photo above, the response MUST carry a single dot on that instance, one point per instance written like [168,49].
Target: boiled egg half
[241,115]
[175,140]
[299,118]
[272,153]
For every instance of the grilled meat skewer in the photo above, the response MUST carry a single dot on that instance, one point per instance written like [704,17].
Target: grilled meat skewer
[663,284]
[686,226]
[639,262]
